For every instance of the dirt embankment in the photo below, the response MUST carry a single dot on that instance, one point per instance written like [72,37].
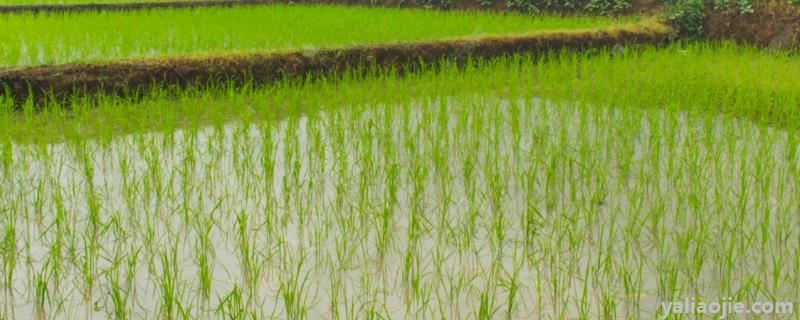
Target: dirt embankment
[774,26]
[125,77]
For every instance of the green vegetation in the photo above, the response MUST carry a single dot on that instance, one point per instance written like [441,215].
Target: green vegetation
[531,6]
[79,37]
[565,185]
[691,15]
[590,185]
[714,78]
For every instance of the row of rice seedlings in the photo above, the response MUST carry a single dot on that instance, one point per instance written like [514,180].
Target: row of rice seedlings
[716,78]
[58,38]
[468,206]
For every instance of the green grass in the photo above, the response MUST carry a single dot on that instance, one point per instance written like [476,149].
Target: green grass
[591,186]
[79,37]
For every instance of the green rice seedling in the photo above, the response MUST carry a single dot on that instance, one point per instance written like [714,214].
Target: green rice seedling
[294,290]
[10,250]
[584,304]
[410,276]
[88,269]
[203,257]
[119,296]
[169,284]
[41,293]
[61,227]
[131,263]
[8,152]
[334,292]
[233,306]
[486,307]
[512,284]
[384,233]
[251,262]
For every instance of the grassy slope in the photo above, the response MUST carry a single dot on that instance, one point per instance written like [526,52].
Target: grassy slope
[64,38]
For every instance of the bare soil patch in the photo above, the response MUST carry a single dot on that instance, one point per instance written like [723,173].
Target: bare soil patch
[774,26]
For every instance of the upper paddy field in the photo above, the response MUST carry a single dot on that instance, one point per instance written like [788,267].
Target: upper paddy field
[41,39]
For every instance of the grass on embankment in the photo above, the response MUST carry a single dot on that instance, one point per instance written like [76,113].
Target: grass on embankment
[80,37]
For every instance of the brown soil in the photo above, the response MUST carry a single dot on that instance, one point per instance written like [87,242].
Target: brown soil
[124,77]
[644,7]
[772,26]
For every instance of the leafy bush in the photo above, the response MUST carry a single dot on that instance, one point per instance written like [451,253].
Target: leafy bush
[745,6]
[607,7]
[446,4]
[525,5]
[689,15]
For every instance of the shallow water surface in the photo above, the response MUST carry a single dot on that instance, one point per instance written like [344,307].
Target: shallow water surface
[458,208]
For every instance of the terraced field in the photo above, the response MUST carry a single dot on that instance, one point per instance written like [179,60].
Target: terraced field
[92,36]
[591,183]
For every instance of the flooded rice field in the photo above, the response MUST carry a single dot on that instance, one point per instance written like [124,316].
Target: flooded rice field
[468,207]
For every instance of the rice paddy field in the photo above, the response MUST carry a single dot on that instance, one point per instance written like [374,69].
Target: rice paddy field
[103,36]
[562,185]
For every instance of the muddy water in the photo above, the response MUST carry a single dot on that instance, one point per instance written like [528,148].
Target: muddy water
[451,208]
